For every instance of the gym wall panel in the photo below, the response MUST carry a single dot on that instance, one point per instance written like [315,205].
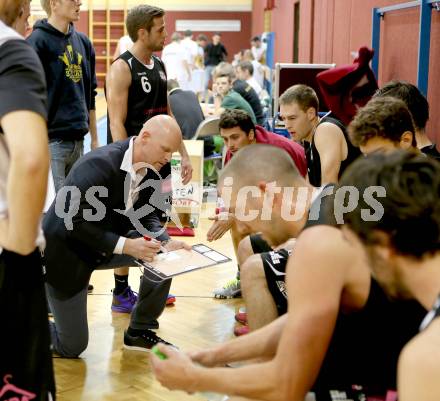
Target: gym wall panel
[174,5]
[332,30]
[258,16]
[234,41]
[433,128]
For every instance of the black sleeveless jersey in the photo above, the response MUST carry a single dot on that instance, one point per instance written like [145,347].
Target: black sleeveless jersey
[366,344]
[147,95]
[314,161]
[433,314]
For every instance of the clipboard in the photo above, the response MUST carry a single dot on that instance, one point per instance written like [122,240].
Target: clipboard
[175,263]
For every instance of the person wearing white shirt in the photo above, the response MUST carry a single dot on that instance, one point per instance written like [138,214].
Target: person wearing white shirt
[258,49]
[245,71]
[123,45]
[258,68]
[176,63]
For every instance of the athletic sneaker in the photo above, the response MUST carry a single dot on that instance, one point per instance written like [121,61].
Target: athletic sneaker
[124,303]
[231,289]
[170,300]
[241,330]
[147,340]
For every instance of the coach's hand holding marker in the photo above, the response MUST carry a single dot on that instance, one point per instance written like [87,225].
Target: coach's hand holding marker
[161,247]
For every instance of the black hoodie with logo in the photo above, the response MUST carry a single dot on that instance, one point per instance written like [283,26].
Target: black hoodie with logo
[69,66]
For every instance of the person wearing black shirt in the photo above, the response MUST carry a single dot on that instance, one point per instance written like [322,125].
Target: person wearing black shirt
[136,91]
[185,108]
[26,360]
[340,329]
[328,150]
[419,109]
[215,53]
[403,252]
[383,124]
[137,81]
[68,59]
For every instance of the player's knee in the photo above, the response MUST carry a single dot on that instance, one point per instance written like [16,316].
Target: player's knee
[244,250]
[73,349]
[252,270]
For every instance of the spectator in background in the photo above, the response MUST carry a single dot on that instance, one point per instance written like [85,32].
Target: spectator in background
[258,49]
[215,53]
[191,48]
[123,45]
[243,89]
[68,59]
[245,72]
[202,42]
[419,109]
[176,63]
[195,59]
[226,98]
[259,70]
[185,108]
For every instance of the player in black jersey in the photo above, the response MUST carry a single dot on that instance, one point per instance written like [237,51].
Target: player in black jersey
[340,329]
[137,81]
[403,250]
[383,124]
[136,90]
[328,149]
[25,357]
[419,109]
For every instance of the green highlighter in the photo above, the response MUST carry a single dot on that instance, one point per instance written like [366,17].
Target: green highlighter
[160,355]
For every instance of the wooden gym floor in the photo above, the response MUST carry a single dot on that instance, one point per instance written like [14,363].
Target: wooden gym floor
[106,371]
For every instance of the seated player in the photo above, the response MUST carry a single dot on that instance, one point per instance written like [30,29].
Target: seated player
[384,124]
[238,131]
[419,109]
[328,149]
[341,328]
[403,251]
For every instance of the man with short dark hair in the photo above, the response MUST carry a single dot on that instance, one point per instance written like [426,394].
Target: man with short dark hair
[384,124]
[328,149]
[238,131]
[419,109]
[68,58]
[215,53]
[26,360]
[258,49]
[136,90]
[403,251]
[245,71]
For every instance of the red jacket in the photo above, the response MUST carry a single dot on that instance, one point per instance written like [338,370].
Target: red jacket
[295,150]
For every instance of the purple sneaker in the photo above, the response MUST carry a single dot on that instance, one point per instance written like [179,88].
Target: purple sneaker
[124,303]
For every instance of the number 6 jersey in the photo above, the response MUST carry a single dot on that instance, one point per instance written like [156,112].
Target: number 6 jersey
[147,95]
